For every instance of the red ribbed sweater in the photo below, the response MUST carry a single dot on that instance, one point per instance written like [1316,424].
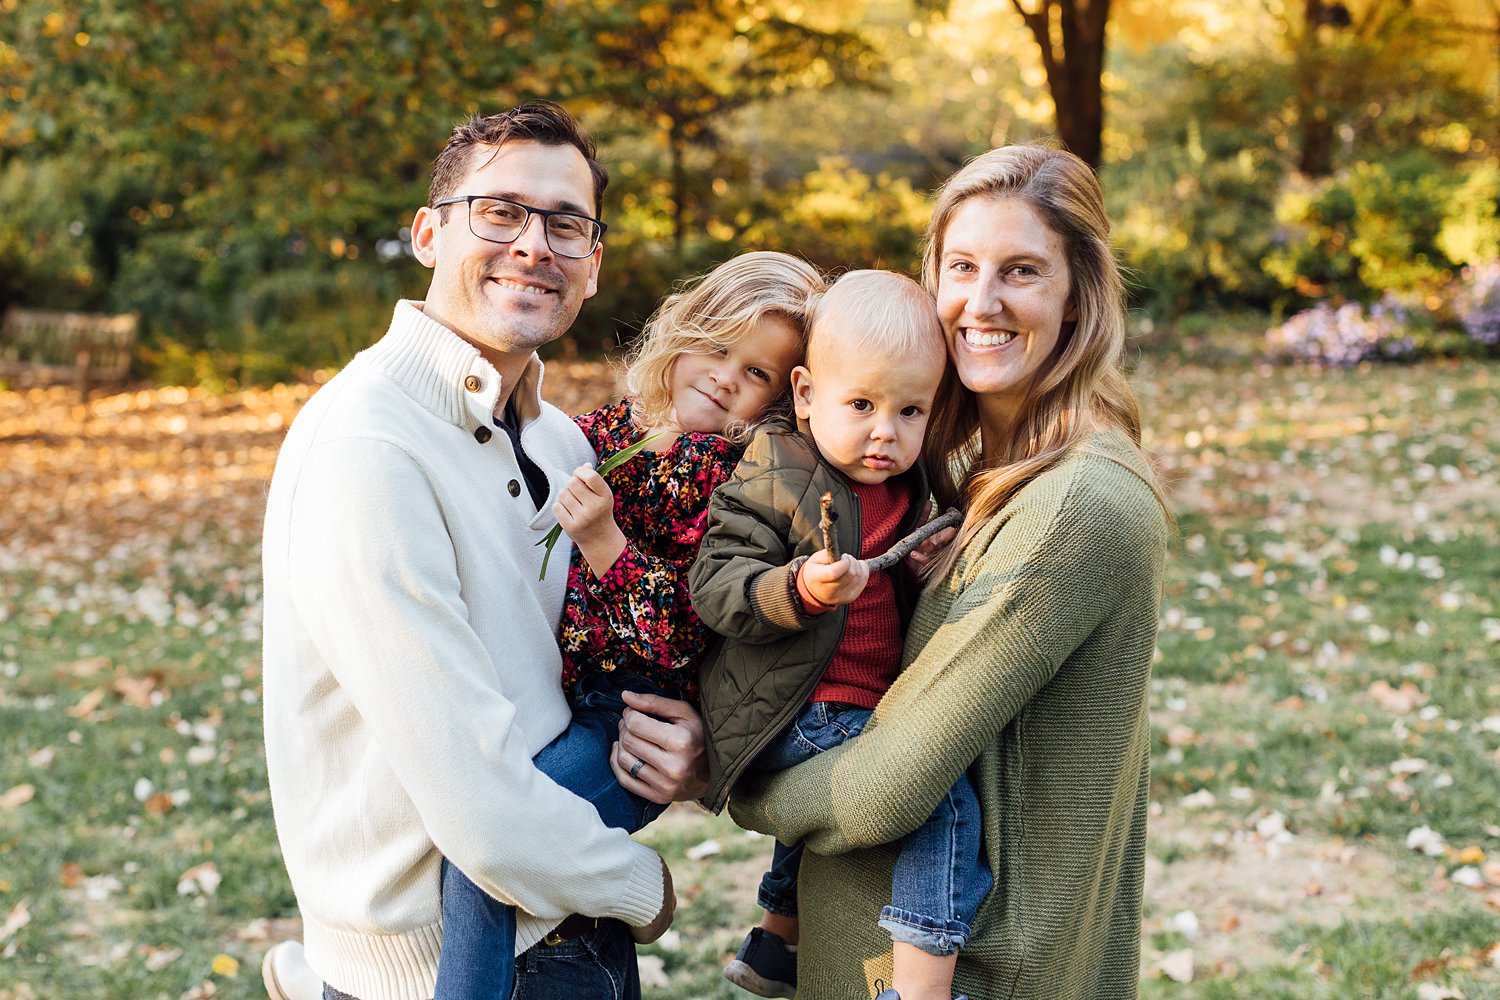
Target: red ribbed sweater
[869,653]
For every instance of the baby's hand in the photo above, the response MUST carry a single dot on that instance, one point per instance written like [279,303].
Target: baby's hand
[586,510]
[833,582]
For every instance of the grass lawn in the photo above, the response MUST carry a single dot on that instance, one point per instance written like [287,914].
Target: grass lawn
[1326,703]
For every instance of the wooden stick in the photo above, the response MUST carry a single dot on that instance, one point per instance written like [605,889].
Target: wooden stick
[950,518]
[825,523]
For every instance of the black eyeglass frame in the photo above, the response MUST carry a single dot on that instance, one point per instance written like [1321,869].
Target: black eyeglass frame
[468,201]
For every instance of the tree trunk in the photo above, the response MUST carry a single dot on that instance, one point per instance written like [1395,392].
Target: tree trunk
[1316,156]
[677,147]
[1315,150]
[1072,52]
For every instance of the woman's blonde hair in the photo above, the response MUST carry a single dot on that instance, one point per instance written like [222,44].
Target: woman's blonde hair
[1083,389]
[713,312]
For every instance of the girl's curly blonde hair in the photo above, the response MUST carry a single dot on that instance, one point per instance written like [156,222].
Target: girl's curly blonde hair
[713,312]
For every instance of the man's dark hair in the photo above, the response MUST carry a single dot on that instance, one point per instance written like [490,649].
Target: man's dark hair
[535,121]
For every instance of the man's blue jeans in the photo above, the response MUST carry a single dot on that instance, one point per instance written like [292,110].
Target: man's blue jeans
[599,965]
[479,932]
[940,876]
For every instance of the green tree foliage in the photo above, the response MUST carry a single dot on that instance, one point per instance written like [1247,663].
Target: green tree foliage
[1375,228]
[1193,194]
[678,70]
[842,218]
[241,172]
[230,168]
[1471,227]
[201,152]
[1378,75]
[1207,186]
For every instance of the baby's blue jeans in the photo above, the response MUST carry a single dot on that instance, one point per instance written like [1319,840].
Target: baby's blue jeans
[940,876]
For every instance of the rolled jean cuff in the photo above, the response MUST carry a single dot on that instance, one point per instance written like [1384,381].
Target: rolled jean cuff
[935,937]
[780,903]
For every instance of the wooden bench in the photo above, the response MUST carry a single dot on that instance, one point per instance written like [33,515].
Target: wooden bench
[40,347]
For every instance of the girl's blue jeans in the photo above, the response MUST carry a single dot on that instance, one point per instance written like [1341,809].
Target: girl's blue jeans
[479,933]
[940,876]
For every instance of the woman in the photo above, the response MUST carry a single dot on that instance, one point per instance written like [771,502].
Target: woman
[1028,659]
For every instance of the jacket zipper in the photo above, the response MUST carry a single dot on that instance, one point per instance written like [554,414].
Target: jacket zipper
[793,706]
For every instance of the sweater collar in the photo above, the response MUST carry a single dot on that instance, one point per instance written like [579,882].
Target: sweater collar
[445,373]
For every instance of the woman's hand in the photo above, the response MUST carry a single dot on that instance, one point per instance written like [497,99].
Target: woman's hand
[660,754]
[923,554]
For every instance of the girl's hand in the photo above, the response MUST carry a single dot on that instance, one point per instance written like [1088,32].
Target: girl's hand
[832,582]
[586,510]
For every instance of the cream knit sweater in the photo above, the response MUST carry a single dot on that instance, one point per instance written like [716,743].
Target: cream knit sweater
[412,670]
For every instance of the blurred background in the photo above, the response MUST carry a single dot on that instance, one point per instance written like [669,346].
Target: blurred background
[242,172]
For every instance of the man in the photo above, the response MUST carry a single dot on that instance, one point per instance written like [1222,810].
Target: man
[411,667]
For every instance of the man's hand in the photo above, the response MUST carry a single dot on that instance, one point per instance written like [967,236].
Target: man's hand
[663,919]
[586,510]
[660,754]
[833,582]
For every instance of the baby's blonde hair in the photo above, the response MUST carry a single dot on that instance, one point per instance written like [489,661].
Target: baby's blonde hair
[876,312]
[713,312]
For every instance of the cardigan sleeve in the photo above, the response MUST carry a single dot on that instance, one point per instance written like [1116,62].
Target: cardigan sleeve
[1046,575]
[374,580]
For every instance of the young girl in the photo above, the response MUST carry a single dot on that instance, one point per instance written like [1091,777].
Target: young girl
[711,361]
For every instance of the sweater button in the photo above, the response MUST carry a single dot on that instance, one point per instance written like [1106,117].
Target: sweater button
[514,488]
[482,434]
[472,383]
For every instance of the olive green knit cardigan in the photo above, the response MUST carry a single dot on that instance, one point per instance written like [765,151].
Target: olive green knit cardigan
[1030,664]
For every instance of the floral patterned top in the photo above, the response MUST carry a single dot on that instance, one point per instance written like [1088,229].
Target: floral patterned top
[637,617]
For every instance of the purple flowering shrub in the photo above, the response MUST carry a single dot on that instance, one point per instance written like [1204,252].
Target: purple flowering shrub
[1476,302]
[1345,335]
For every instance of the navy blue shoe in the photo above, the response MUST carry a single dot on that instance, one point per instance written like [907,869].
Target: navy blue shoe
[764,966]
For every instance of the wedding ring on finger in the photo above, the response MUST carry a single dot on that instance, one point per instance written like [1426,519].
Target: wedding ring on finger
[635,769]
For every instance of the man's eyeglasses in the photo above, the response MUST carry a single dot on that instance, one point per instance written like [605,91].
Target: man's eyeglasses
[501,220]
